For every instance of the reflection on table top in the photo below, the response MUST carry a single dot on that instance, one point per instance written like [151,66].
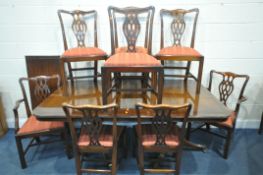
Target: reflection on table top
[175,92]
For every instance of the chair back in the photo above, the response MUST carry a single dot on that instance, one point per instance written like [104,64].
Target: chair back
[178,25]
[131,27]
[91,122]
[164,118]
[40,87]
[79,28]
[229,87]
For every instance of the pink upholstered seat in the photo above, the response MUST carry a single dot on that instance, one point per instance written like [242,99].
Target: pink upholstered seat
[131,59]
[139,49]
[32,125]
[83,52]
[105,138]
[229,121]
[149,136]
[179,51]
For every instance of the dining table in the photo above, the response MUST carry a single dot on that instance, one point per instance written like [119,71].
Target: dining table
[205,106]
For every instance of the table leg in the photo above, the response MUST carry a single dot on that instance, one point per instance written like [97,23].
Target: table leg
[192,146]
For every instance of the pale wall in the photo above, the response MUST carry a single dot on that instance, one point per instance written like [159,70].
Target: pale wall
[229,34]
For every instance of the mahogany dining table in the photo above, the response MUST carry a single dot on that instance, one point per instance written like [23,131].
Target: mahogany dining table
[205,106]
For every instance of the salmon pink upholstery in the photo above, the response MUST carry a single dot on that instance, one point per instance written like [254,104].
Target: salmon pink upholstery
[138,50]
[179,51]
[83,52]
[149,136]
[229,121]
[131,59]
[105,138]
[32,125]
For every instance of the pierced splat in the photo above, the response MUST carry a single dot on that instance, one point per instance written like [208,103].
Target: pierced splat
[226,87]
[178,28]
[163,124]
[92,125]
[79,28]
[127,23]
[179,21]
[41,90]
[131,29]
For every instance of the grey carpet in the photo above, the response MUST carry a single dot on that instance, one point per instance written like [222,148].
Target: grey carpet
[245,158]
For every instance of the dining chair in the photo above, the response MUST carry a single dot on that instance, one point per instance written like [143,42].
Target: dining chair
[230,89]
[79,31]
[161,131]
[178,30]
[95,136]
[131,29]
[261,125]
[32,128]
[131,43]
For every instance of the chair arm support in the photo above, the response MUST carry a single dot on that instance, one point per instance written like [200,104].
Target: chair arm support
[15,110]
[242,99]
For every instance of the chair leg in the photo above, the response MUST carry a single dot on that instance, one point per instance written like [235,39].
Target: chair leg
[187,70]
[140,159]
[78,163]
[154,81]
[21,152]
[261,125]
[144,82]
[67,146]
[63,76]
[95,71]
[114,159]
[178,163]
[199,77]
[70,73]
[227,144]
[160,86]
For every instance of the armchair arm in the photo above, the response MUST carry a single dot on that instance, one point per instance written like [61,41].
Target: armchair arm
[15,110]
[242,99]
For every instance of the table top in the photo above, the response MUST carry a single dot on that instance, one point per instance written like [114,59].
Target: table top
[206,107]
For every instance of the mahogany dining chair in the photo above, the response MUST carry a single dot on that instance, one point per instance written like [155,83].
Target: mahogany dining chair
[228,86]
[33,128]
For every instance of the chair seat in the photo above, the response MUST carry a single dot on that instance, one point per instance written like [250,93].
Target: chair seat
[32,125]
[105,138]
[229,122]
[138,49]
[132,60]
[178,51]
[149,136]
[83,52]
